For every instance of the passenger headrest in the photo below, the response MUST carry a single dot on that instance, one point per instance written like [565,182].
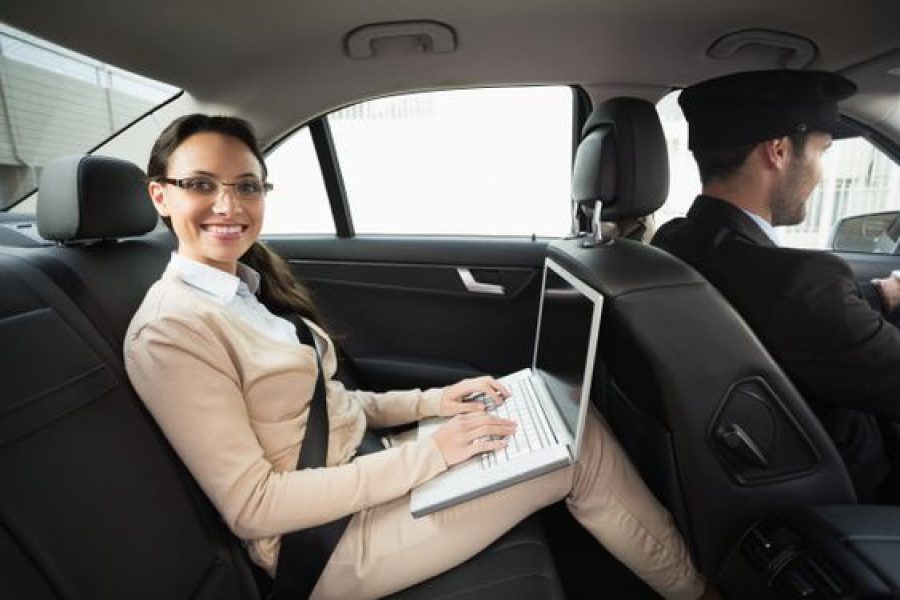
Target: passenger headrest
[622,160]
[93,197]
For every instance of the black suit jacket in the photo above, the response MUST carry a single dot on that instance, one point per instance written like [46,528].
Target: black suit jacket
[818,324]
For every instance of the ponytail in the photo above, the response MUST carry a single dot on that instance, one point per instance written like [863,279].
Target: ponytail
[279,291]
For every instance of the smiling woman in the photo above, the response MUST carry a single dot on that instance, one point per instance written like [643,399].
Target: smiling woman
[215,222]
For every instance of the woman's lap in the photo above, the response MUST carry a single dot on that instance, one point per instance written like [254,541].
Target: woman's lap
[385,549]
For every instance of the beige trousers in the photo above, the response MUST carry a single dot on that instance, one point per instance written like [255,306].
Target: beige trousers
[385,549]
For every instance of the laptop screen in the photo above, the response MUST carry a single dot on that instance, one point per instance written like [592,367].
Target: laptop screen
[563,341]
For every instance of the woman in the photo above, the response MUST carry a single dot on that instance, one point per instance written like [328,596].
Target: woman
[229,384]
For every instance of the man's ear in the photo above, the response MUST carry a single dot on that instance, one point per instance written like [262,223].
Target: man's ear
[157,192]
[776,152]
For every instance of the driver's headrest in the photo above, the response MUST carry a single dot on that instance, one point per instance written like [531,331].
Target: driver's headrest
[621,161]
[87,197]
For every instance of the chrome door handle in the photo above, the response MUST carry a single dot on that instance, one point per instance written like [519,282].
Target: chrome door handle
[477,287]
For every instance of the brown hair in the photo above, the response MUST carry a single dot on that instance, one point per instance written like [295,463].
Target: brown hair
[279,290]
[722,163]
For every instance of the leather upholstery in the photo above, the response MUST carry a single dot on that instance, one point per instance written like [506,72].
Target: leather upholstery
[679,364]
[93,197]
[622,160]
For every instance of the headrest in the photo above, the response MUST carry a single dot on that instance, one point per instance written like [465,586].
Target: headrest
[622,160]
[87,197]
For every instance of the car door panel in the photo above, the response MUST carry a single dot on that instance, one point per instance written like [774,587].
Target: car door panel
[865,266]
[400,310]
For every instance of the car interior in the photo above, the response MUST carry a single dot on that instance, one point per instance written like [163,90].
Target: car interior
[94,503]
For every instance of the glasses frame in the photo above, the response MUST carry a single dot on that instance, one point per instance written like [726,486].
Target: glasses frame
[180,183]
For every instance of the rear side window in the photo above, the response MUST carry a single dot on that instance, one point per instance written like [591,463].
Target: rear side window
[464,162]
[58,102]
[299,202]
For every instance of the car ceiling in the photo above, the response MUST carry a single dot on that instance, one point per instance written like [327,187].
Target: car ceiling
[281,62]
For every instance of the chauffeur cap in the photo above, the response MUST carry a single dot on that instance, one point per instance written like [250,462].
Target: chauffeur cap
[745,108]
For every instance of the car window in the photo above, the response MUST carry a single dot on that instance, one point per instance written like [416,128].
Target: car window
[481,162]
[860,185]
[57,102]
[299,202]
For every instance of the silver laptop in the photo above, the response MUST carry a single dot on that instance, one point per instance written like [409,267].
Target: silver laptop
[549,400]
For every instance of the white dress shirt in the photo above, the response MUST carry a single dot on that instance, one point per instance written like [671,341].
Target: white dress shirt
[765,226]
[238,296]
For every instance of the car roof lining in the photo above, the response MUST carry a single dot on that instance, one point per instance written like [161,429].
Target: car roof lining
[295,51]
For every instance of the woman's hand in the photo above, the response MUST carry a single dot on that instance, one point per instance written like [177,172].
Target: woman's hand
[455,398]
[468,434]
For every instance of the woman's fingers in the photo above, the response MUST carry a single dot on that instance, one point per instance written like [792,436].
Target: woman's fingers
[468,434]
[501,427]
[483,445]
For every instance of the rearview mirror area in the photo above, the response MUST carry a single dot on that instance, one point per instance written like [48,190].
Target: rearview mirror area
[876,233]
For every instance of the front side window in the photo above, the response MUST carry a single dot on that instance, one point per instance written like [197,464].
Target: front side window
[57,102]
[464,162]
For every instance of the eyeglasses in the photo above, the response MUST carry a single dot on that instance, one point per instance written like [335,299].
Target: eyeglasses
[201,185]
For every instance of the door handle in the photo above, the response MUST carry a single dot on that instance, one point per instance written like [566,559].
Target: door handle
[477,287]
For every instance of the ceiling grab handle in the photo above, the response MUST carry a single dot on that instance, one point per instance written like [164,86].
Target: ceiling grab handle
[401,37]
[800,50]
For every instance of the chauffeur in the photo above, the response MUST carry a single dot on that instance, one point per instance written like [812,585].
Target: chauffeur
[758,139]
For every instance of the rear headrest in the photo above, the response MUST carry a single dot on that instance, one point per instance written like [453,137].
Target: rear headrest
[622,160]
[93,197]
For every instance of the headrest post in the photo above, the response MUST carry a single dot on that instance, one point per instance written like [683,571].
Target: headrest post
[596,231]
[596,236]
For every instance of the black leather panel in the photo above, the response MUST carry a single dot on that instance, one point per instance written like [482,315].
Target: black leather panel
[399,250]
[676,350]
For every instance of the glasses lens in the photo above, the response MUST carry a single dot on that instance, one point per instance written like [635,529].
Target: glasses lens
[248,187]
[204,186]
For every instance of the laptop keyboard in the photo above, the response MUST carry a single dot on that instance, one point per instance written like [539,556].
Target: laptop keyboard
[533,432]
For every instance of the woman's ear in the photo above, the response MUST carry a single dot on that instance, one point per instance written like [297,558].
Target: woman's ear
[157,192]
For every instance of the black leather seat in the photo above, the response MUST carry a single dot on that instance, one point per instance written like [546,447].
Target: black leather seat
[93,501]
[713,425]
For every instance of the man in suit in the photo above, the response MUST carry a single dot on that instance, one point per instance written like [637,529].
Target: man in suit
[758,139]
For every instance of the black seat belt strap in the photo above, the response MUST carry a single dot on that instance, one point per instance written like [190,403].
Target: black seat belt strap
[305,553]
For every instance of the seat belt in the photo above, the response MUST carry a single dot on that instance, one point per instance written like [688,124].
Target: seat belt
[304,553]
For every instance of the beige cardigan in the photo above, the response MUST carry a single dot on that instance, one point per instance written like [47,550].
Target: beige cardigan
[234,403]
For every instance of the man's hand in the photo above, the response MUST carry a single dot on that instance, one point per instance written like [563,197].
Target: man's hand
[889,289]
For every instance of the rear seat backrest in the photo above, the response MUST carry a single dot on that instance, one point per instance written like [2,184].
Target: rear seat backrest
[93,503]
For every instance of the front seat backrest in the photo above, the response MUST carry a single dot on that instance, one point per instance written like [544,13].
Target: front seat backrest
[712,423]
